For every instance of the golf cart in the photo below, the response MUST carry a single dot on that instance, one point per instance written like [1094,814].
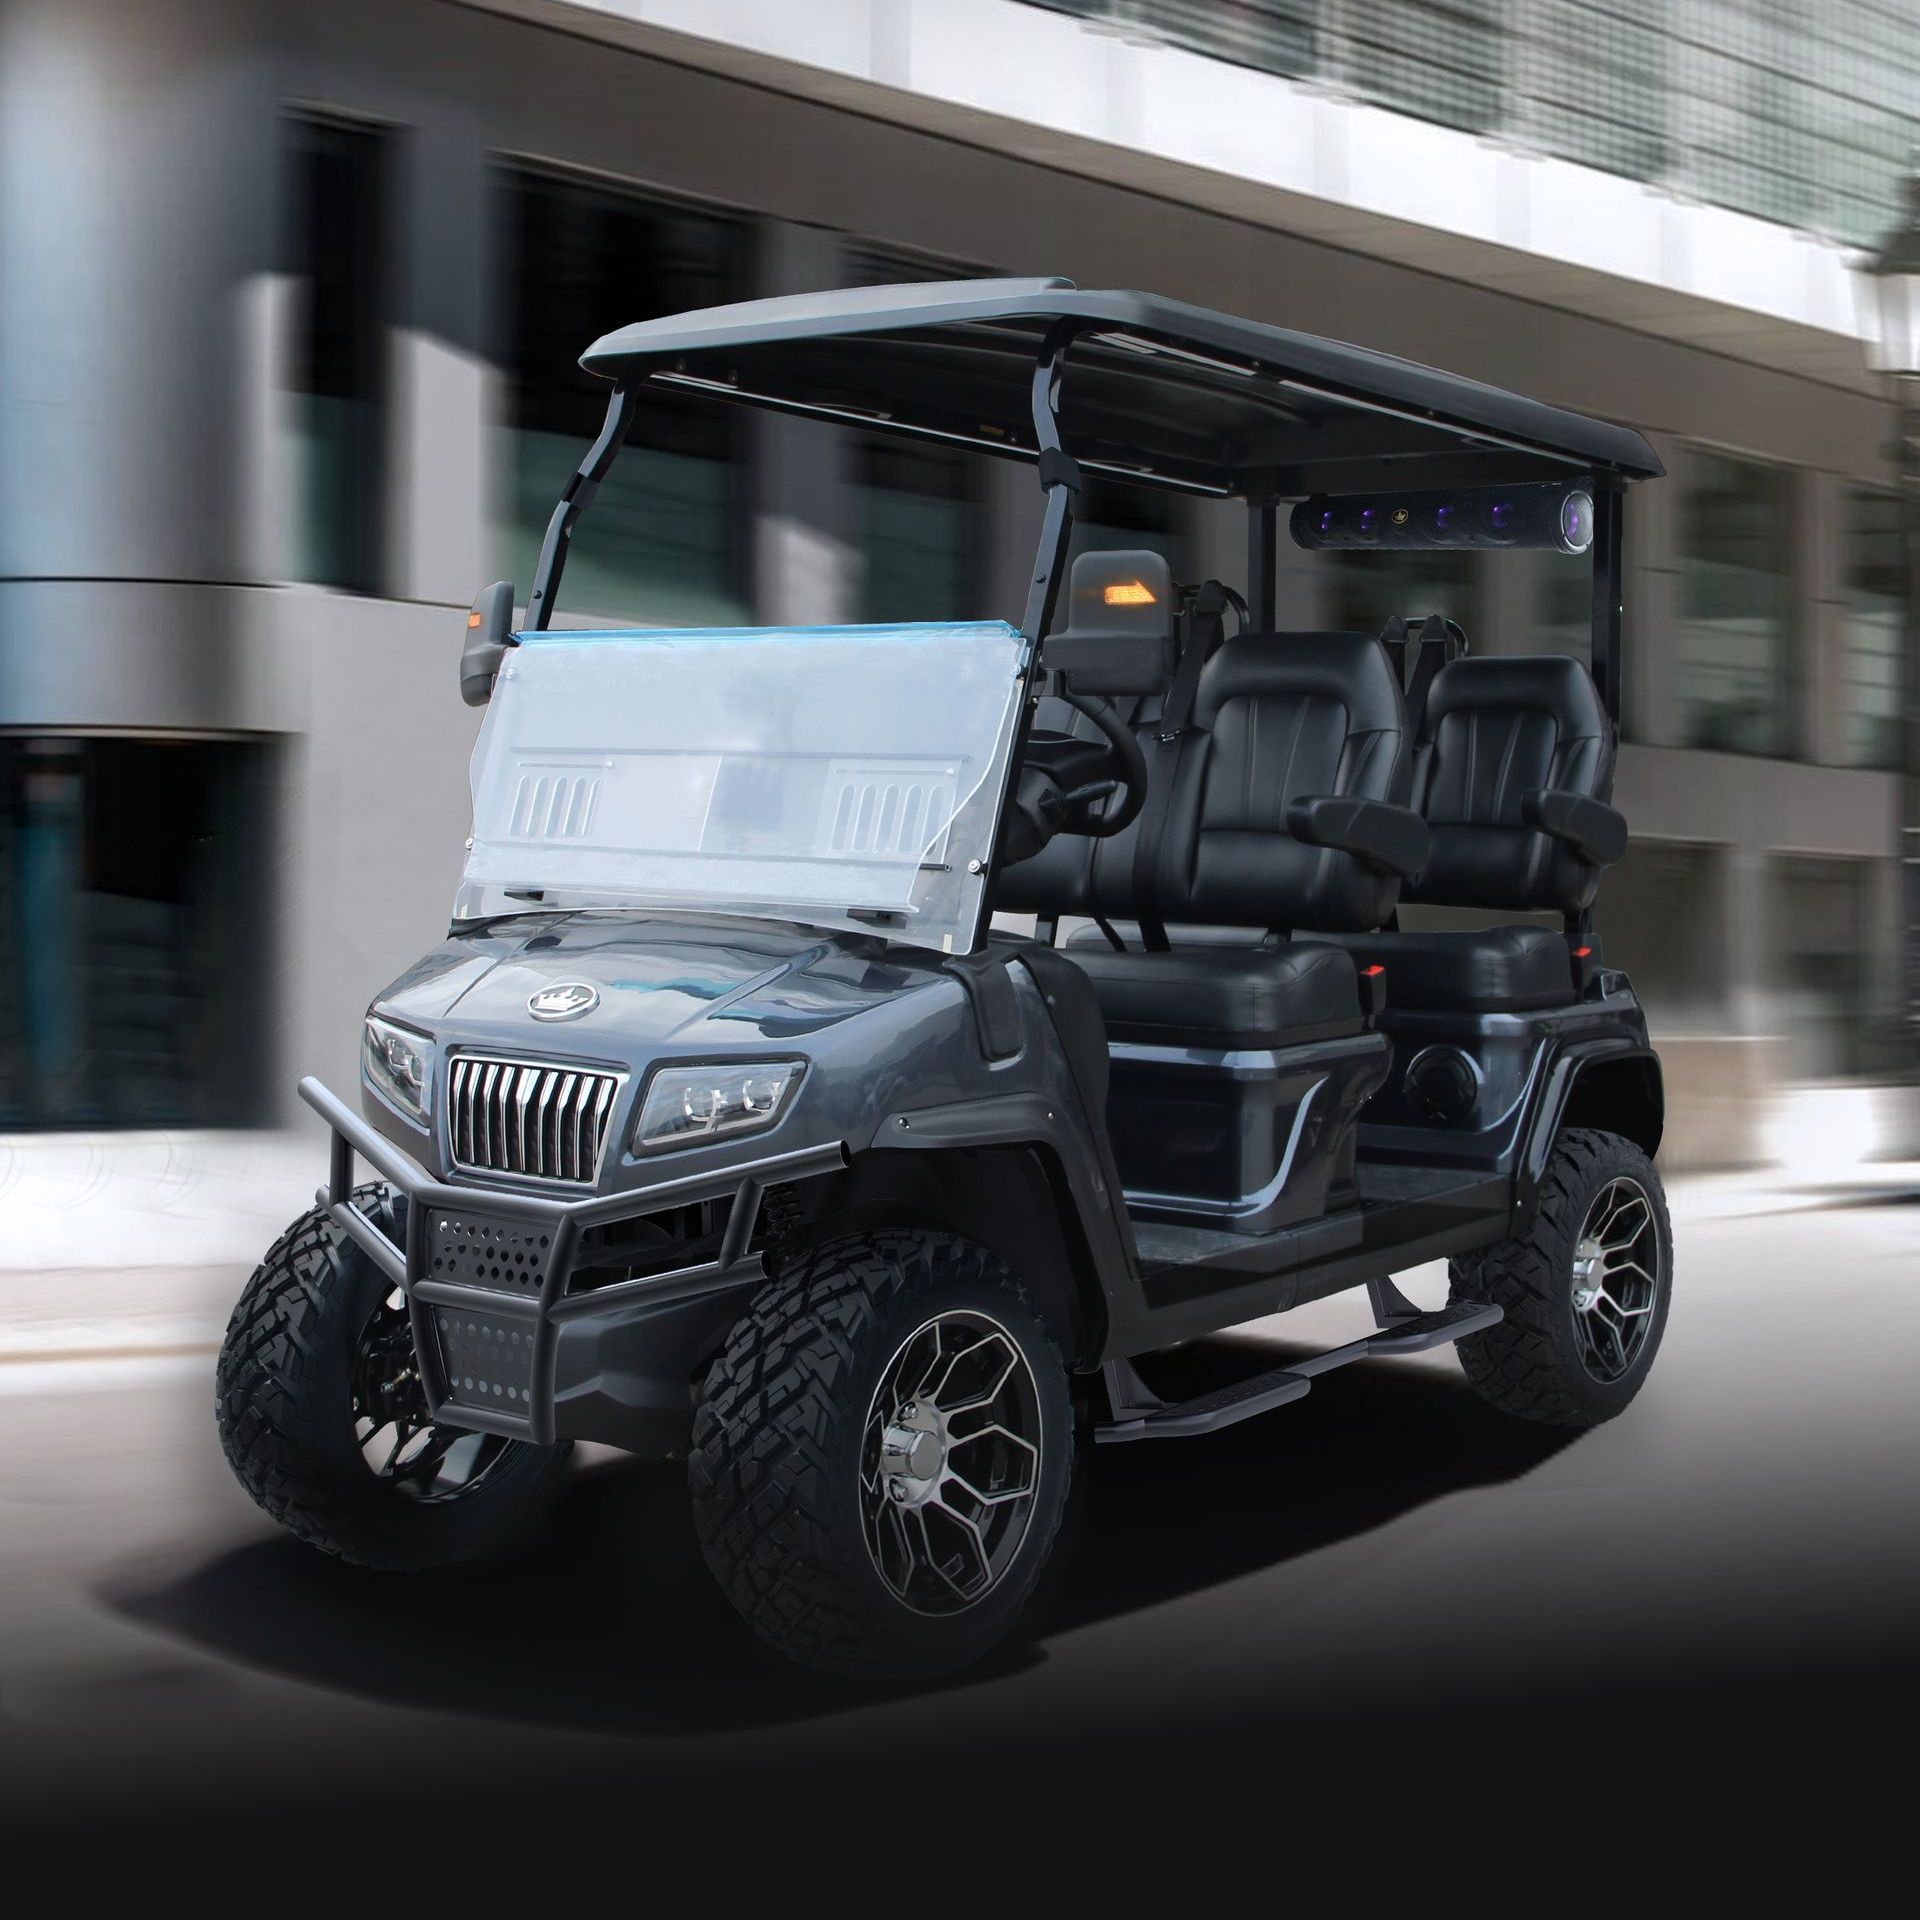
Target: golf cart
[861,1055]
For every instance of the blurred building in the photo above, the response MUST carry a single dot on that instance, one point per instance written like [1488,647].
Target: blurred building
[290,298]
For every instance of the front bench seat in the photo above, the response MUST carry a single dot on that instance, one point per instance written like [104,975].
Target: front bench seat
[1280,722]
[1499,733]
[1223,997]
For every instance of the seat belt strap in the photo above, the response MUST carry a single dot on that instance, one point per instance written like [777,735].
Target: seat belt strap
[1428,652]
[1205,629]
[1393,642]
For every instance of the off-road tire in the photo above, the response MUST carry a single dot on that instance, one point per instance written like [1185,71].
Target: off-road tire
[283,1399]
[774,1464]
[1529,1364]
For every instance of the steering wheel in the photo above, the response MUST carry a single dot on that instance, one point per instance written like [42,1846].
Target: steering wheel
[1075,805]
[1063,778]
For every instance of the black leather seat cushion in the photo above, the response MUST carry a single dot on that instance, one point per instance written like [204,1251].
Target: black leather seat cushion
[1224,996]
[1479,970]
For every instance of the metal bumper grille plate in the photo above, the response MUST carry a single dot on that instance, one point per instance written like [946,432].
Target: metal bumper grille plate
[530,1117]
[473,1250]
[488,1359]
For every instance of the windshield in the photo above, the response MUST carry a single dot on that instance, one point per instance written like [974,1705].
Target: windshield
[846,777]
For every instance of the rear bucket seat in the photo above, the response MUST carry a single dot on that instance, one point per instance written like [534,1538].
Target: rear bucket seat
[1512,774]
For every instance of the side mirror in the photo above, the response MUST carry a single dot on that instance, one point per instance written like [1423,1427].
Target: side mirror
[489,635]
[1119,636]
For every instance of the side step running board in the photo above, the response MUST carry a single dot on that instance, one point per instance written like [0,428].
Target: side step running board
[1140,1414]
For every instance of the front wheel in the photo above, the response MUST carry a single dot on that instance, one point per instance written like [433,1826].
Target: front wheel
[882,1454]
[1585,1288]
[324,1422]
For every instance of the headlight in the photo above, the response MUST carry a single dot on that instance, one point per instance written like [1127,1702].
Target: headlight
[399,1067]
[686,1105]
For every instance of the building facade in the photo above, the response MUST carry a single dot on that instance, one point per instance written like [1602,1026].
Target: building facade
[290,299]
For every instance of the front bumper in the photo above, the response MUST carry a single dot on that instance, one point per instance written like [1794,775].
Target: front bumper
[486,1271]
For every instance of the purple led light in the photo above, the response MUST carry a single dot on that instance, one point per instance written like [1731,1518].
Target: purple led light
[1501,516]
[1443,518]
[1369,519]
[1326,520]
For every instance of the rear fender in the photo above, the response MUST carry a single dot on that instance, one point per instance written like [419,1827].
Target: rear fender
[1614,1086]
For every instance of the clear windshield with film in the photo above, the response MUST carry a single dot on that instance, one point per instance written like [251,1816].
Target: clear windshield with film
[846,777]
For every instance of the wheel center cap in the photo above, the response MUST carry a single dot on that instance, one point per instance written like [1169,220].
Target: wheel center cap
[1589,1261]
[913,1451]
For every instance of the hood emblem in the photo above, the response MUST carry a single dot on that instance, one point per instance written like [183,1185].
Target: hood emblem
[565,1000]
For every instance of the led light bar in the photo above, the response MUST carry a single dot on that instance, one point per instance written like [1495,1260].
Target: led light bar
[1555,517]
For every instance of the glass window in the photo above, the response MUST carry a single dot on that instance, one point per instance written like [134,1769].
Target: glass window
[1820,957]
[1731,682]
[336,375]
[1562,606]
[921,535]
[133,885]
[665,540]
[1364,590]
[1663,917]
[1876,631]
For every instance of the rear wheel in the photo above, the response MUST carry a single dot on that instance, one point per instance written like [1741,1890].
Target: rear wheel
[882,1455]
[1585,1289]
[324,1422]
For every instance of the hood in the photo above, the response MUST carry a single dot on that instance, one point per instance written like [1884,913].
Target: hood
[656,981]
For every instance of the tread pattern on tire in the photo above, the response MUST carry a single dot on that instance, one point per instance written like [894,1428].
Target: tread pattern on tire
[1521,1364]
[770,1412]
[276,1426]
[267,1424]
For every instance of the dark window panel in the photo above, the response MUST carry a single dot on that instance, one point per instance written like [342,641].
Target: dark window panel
[134,916]
[1732,662]
[1877,616]
[922,507]
[337,227]
[666,539]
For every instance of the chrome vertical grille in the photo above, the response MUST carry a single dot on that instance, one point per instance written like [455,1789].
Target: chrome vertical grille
[532,1117]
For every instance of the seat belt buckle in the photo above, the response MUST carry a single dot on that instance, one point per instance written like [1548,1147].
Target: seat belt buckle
[1373,992]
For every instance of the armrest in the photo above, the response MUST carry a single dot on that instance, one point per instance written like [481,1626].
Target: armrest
[1387,838]
[1594,830]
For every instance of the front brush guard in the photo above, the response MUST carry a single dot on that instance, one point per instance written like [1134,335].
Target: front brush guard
[540,1304]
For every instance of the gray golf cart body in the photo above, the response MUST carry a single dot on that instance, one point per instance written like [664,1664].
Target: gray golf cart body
[563,1283]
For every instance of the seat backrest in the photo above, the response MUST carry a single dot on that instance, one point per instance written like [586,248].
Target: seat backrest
[1496,729]
[1280,718]
[1276,718]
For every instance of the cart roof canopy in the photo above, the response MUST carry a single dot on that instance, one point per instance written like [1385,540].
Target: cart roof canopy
[1152,390]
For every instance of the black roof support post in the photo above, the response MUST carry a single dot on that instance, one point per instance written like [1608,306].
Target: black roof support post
[1263,564]
[1609,585]
[578,496]
[1060,479]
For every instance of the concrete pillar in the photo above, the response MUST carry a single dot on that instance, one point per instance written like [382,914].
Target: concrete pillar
[137,178]
[804,562]
[1746,941]
[1509,587]
[138,174]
